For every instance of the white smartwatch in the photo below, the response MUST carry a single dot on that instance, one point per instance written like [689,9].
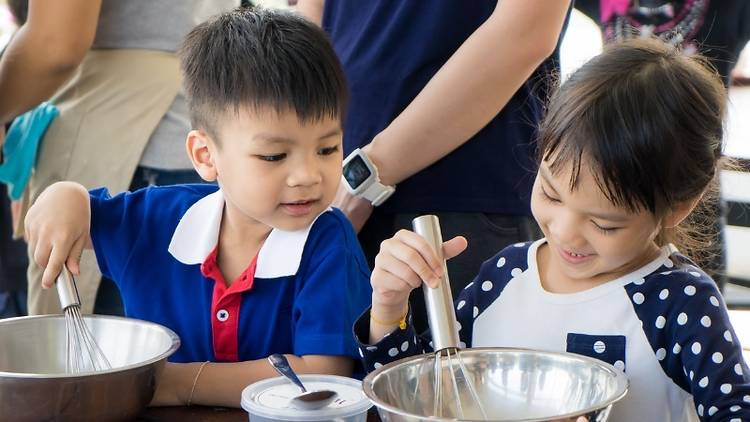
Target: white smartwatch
[360,176]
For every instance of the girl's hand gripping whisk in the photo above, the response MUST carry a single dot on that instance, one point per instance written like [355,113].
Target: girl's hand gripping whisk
[404,262]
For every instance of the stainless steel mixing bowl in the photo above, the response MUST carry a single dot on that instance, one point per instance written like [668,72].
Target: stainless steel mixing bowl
[512,385]
[33,383]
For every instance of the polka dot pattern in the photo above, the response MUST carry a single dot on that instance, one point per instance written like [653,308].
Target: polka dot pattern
[687,327]
[661,354]
[660,322]
[681,314]
[696,348]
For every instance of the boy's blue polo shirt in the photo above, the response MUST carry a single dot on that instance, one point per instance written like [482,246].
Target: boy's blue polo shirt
[300,295]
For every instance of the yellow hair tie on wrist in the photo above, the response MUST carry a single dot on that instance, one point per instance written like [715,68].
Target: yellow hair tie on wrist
[401,321]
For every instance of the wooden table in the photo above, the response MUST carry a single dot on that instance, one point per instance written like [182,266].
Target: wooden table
[208,414]
[193,413]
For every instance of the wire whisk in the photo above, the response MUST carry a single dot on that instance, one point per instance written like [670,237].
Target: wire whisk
[82,353]
[441,316]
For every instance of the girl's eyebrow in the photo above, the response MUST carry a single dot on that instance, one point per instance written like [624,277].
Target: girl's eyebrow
[545,175]
[615,218]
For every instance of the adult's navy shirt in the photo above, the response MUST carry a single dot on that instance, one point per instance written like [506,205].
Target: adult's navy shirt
[390,49]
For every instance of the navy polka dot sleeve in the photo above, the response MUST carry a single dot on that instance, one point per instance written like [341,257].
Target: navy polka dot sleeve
[687,325]
[472,301]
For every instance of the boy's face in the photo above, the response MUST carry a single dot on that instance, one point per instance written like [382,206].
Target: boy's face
[275,170]
[590,239]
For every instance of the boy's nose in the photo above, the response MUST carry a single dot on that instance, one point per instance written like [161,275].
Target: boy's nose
[305,173]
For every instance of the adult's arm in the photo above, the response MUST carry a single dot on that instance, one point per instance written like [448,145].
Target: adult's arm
[45,52]
[471,87]
[312,10]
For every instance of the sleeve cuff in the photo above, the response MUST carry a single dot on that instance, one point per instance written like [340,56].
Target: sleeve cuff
[395,345]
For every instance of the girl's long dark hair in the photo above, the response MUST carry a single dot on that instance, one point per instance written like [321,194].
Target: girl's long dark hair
[650,120]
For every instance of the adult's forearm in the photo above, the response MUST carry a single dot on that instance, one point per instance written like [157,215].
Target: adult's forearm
[45,52]
[312,10]
[30,73]
[471,88]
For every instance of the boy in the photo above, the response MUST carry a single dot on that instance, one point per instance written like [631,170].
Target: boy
[258,264]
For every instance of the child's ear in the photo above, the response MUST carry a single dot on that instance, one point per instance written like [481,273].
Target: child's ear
[198,150]
[679,212]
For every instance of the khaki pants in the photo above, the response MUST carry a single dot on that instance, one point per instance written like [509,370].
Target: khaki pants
[108,112]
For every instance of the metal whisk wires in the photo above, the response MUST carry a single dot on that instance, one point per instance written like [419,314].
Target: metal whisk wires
[442,320]
[82,353]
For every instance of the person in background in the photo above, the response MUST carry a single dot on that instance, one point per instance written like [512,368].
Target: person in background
[111,71]
[618,178]
[446,97]
[13,263]
[259,264]
[13,260]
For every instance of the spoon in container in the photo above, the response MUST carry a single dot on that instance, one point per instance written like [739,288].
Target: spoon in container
[308,400]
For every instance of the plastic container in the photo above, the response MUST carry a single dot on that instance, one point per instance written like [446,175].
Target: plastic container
[268,400]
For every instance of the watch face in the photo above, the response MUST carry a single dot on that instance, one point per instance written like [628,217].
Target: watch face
[356,172]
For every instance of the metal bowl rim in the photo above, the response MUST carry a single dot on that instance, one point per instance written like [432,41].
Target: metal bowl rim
[171,334]
[620,377]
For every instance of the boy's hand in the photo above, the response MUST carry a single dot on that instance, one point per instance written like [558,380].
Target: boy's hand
[404,261]
[57,229]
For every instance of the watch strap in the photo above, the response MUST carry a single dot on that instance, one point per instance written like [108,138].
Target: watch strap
[377,193]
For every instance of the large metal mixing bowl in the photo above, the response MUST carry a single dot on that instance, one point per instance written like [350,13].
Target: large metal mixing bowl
[33,383]
[512,385]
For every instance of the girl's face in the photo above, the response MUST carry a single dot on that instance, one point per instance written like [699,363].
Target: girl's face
[590,240]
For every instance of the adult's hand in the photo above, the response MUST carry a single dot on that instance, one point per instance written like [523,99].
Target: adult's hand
[358,210]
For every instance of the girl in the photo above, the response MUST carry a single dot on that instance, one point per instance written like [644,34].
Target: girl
[630,145]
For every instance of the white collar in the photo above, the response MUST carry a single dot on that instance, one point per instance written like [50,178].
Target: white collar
[198,231]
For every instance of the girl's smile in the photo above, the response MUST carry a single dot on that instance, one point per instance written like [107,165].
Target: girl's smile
[589,240]
[574,258]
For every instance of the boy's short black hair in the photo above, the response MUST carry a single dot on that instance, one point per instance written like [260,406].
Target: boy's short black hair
[254,59]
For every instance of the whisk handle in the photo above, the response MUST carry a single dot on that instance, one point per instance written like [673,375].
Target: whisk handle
[441,315]
[67,290]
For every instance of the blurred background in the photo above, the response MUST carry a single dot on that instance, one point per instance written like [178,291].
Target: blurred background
[581,42]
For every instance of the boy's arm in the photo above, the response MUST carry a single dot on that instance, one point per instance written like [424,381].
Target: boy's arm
[45,52]
[57,228]
[221,384]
